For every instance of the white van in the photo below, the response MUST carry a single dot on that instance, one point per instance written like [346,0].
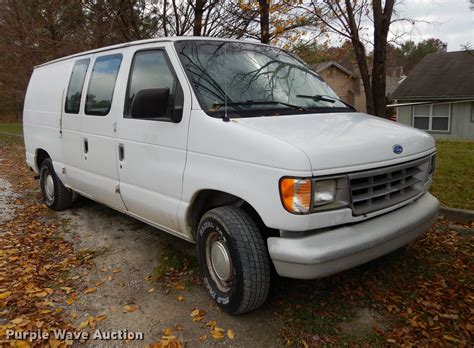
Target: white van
[236,146]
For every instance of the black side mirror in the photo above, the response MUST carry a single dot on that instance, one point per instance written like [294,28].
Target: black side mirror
[150,103]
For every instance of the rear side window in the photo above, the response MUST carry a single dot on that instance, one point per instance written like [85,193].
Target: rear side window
[152,77]
[102,84]
[76,83]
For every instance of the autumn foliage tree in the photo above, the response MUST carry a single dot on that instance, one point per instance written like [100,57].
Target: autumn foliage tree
[35,31]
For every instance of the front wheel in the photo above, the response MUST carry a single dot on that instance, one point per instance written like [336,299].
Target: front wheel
[233,259]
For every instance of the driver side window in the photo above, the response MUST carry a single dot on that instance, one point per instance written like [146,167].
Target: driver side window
[153,90]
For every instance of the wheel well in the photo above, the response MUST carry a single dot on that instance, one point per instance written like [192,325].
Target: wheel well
[210,199]
[41,155]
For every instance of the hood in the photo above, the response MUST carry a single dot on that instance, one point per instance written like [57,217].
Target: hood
[339,140]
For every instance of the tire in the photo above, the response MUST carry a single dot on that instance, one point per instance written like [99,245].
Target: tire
[233,258]
[56,196]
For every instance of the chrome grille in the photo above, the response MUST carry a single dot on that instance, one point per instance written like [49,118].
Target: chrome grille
[383,187]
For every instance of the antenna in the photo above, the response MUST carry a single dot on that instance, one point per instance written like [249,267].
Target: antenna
[226,116]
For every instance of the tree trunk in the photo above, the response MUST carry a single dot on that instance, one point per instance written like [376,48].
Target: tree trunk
[198,13]
[382,20]
[264,9]
[361,56]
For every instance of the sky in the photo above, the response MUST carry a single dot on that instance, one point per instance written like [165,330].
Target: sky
[451,21]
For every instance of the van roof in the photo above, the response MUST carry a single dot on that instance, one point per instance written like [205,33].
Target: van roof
[146,41]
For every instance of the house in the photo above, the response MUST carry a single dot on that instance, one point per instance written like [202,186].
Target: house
[438,95]
[347,85]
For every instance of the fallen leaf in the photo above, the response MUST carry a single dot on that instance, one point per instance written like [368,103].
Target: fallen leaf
[216,334]
[84,324]
[449,316]
[90,290]
[198,314]
[178,286]
[5,295]
[168,331]
[151,290]
[203,338]
[231,334]
[181,298]
[130,308]
[450,338]
[117,270]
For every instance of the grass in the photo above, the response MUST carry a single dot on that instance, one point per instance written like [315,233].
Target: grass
[13,128]
[173,261]
[11,134]
[453,182]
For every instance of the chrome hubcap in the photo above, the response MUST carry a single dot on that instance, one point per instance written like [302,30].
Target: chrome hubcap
[49,187]
[219,262]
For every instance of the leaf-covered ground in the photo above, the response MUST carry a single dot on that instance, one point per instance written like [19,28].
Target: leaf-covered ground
[421,295]
[35,261]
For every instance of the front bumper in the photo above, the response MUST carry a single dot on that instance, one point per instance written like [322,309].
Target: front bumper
[332,251]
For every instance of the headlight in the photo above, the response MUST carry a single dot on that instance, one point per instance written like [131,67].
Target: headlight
[295,194]
[324,192]
[306,195]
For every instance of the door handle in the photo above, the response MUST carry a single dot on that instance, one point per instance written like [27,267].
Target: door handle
[86,146]
[121,152]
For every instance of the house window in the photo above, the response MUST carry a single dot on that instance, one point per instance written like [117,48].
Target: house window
[432,117]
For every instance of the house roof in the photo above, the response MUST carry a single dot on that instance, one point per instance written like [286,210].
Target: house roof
[392,83]
[440,76]
[324,65]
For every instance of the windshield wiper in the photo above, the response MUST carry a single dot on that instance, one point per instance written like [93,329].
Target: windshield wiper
[326,98]
[259,102]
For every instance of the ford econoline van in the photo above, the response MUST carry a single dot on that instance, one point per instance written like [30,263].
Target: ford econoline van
[236,146]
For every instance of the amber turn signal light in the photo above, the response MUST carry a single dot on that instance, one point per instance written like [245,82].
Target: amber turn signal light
[296,194]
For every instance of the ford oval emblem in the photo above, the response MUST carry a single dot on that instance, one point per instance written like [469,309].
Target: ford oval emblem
[398,149]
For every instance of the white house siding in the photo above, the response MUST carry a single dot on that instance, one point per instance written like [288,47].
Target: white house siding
[461,122]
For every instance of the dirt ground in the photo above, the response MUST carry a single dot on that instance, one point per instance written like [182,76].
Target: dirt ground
[134,248]
[128,252]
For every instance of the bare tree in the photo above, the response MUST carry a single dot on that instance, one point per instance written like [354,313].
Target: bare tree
[280,21]
[348,18]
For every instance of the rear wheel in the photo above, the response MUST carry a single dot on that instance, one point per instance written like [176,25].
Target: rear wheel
[56,196]
[233,259]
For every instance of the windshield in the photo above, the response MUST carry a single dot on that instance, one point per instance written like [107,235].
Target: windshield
[248,78]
